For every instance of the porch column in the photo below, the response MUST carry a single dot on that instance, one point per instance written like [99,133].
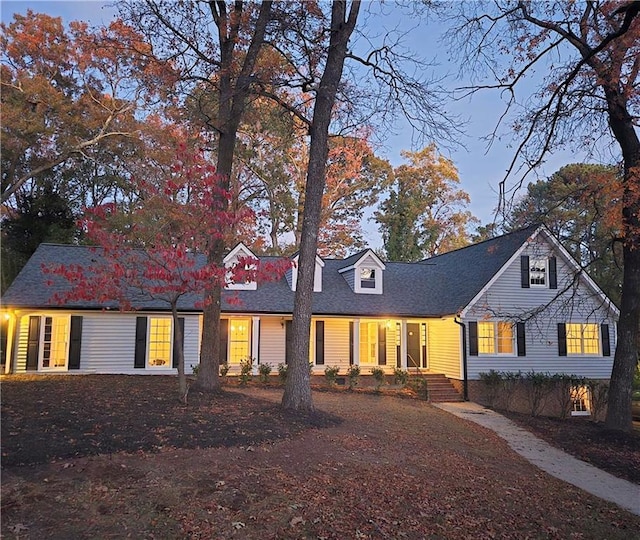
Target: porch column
[11,340]
[255,340]
[356,342]
[403,343]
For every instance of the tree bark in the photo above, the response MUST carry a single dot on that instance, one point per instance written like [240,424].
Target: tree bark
[232,101]
[297,393]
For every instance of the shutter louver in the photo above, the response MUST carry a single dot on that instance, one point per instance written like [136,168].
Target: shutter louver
[473,338]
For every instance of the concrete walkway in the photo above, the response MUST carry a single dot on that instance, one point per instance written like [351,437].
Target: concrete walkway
[551,460]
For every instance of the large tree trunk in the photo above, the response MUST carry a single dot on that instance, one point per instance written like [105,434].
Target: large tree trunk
[178,350]
[232,101]
[297,393]
[628,342]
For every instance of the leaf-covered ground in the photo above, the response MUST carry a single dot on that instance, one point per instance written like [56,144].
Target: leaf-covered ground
[117,457]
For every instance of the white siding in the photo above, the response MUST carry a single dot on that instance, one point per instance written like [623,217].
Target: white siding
[506,300]
[272,341]
[443,346]
[336,343]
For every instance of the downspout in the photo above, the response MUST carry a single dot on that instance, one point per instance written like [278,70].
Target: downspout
[465,385]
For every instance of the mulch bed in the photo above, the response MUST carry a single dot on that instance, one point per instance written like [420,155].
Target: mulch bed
[48,418]
[616,452]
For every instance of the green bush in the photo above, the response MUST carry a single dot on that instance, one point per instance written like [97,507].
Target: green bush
[282,372]
[194,369]
[537,387]
[400,376]
[353,373]
[224,369]
[330,374]
[420,386]
[493,385]
[378,375]
[246,367]
[264,370]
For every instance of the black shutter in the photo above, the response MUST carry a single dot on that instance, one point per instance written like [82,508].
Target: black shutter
[350,343]
[606,344]
[473,338]
[140,358]
[75,342]
[319,343]
[288,338]
[520,340]
[382,345]
[175,341]
[524,272]
[562,339]
[224,340]
[553,273]
[33,343]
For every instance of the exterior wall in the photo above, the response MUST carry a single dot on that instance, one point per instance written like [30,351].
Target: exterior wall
[272,341]
[506,300]
[108,343]
[444,347]
[336,344]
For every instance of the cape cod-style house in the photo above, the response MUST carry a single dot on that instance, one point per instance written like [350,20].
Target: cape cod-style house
[518,302]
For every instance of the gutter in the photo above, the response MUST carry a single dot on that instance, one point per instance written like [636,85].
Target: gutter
[465,384]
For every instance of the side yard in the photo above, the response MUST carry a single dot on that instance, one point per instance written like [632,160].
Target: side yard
[116,457]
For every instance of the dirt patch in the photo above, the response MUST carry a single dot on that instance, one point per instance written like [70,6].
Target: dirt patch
[392,468]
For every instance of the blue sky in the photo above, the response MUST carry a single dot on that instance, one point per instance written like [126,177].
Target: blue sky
[480,169]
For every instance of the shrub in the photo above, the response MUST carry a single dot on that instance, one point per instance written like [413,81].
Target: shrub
[564,386]
[224,369]
[400,376]
[493,385]
[353,373]
[263,371]
[282,372]
[194,369]
[246,367]
[330,374]
[537,388]
[599,394]
[510,383]
[378,375]
[420,386]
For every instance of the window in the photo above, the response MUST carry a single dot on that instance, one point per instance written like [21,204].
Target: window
[495,337]
[368,278]
[55,343]
[580,403]
[583,339]
[369,343]
[159,342]
[238,340]
[538,272]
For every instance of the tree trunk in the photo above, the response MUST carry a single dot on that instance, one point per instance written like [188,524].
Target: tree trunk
[297,393]
[628,342]
[178,349]
[231,106]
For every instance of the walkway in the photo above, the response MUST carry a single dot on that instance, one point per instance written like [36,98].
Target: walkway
[551,460]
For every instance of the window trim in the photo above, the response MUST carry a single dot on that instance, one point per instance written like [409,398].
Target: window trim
[545,261]
[230,329]
[41,342]
[583,395]
[597,335]
[496,339]
[169,364]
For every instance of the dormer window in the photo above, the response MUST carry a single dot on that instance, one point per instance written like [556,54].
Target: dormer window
[368,278]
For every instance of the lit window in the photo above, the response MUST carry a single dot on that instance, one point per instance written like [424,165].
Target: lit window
[368,278]
[538,271]
[159,342]
[55,342]
[369,343]
[495,337]
[583,339]
[238,340]
[580,403]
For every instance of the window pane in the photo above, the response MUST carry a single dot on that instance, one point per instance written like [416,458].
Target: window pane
[591,339]
[238,340]
[537,271]
[486,338]
[368,278]
[505,338]
[580,400]
[574,338]
[368,342]
[159,342]
[54,342]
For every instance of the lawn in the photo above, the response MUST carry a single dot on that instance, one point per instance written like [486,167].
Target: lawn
[117,457]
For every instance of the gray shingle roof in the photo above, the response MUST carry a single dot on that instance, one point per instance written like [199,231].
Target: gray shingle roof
[438,286]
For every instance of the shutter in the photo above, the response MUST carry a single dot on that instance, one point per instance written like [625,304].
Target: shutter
[553,273]
[175,341]
[524,272]
[288,338]
[224,340]
[140,358]
[319,343]
[33,343]
[562,339]
[473,338]
[520,339]
[75,341]
[382,345]
[606,344]
[350,343]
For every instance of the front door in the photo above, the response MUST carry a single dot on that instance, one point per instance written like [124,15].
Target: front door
[413,345]
[55,343]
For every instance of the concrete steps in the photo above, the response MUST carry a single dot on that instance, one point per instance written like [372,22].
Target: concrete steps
[440,389]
